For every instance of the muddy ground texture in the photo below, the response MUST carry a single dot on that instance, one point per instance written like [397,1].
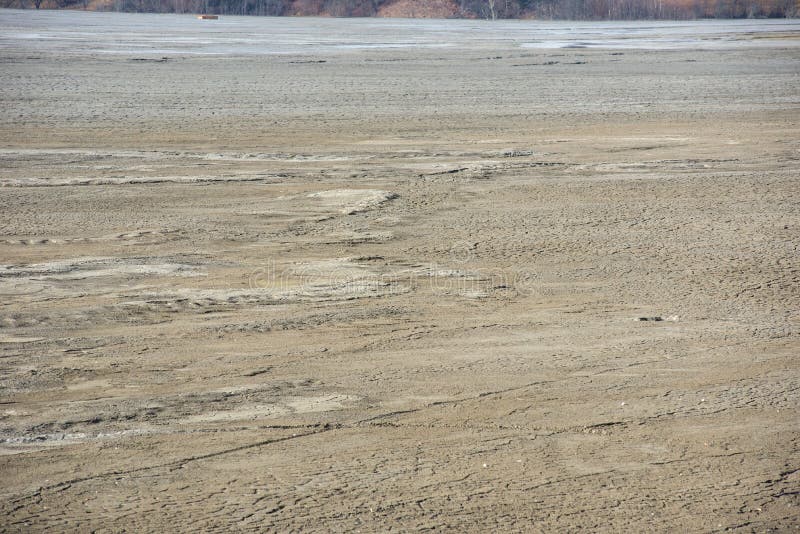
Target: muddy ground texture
[398,290]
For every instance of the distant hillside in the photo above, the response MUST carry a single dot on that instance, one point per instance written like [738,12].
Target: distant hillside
[486,9]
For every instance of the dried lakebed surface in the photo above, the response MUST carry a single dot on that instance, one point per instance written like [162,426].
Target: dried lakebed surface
[473,289]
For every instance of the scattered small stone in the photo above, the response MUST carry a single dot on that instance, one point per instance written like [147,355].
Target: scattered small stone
[517,153]
[656,318]
[151,60]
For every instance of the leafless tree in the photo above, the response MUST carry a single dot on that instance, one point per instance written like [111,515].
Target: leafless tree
[487,9]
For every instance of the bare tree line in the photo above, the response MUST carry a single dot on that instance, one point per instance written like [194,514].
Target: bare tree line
[487,9]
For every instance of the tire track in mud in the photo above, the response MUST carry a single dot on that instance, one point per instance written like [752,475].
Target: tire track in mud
[376,421]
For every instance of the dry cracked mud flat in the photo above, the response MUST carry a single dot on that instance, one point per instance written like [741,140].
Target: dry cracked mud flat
[485,289]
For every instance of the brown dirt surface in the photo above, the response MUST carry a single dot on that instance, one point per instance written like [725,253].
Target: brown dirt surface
[483,289]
